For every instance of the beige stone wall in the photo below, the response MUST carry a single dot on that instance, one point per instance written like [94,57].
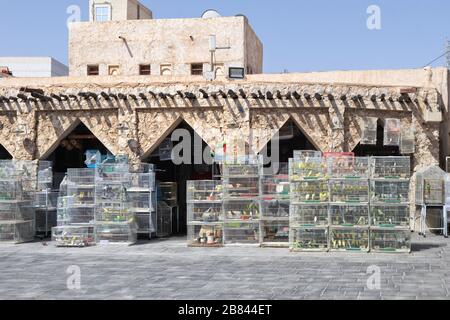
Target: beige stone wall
[254,51]
[177,42]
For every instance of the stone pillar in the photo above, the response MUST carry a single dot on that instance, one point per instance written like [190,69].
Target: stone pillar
[24,135]
[336,131]
[128,133]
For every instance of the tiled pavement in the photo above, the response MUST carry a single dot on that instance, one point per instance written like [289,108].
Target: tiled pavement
[169,270]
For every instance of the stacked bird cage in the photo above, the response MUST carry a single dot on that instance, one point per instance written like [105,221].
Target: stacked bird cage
[76,210]
[274,205]
[309,202]
[204,213]
[141,191]
[369,133]
[46,199]
[392,132]
[349,203]
[431,184]
[240,201]
[390,208]
[114,221]
[17,214]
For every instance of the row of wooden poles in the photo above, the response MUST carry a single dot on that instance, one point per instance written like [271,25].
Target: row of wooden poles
[35,95]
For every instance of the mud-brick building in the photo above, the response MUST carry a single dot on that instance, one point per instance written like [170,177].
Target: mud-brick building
[133,82]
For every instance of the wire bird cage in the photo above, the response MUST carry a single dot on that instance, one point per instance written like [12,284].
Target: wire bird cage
[208,191]
[349,239]
[390,167]
[141,182]
[390,216]
[309,215]
[141,192]
[349,191]
[307,168]
[349,215]
[205,212]
[81,177]
[241,210]
[274,209]
[309,191]
[430,186]
[369,133]
[73,236]
[309,239]
[275,233]
[392,134]
[17,211]
[113,232]
[205,235]
[45,175]
[390,240]
[116,172]
[389,191]
[348,167]
[274,195]
[306,154]
[140,202]
[407,141]
[241,233]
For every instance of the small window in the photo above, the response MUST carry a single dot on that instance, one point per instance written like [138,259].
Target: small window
[145,69]
[92,70]
[197,69]
[138,12]
[102,13]
[113,70]
[166,69]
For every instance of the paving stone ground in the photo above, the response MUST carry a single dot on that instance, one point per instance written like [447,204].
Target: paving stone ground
[167,269]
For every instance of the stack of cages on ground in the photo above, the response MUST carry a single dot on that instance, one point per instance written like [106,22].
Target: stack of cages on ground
[114,221]
[349,203]
[76,209]
[204,213]
[17,213]
[430,196]
[142,196]
[45,200]
[390,208]
[274,205]
[240,201]
[309,202]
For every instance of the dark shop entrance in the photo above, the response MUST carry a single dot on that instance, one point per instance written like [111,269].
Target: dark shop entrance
[172,177]
[70,152]
[4,154]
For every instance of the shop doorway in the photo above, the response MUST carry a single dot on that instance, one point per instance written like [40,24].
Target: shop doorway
[172,175]
[70,152]
[289,139]
[4,154]
[378,149]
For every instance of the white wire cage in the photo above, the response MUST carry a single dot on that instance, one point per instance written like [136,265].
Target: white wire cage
[309,239]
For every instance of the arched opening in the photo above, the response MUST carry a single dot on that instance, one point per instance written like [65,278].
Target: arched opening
[4,154]
[188,164]
[70,153]
[378,149]
[289,139]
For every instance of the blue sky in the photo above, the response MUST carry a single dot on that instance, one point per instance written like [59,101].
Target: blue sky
[298,35]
